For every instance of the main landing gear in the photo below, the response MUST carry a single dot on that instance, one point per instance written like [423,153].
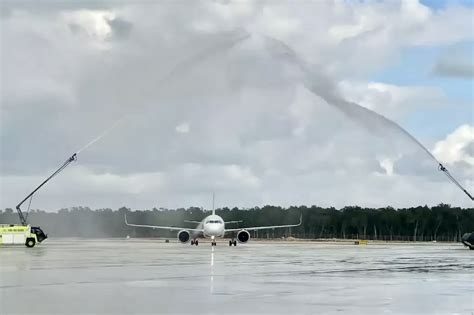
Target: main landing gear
[232,242]
[195,242]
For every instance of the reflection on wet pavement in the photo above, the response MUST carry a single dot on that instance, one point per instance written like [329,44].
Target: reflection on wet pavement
[150,276]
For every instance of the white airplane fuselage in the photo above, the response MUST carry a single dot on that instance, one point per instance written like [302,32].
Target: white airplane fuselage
[213,226]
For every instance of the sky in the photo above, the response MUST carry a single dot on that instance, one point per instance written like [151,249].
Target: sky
[260,102]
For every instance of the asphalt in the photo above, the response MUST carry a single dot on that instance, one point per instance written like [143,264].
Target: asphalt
[132,276]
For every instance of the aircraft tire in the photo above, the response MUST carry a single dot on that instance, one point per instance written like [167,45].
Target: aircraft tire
[192,242]
[235,243]
[30,242]
[196,242]
[230,243]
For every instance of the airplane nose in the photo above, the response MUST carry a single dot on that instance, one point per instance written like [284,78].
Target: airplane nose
[213,229]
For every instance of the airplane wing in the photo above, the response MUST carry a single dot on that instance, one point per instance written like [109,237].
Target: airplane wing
[265,227]
[230,222]
[190,221]
[170,228]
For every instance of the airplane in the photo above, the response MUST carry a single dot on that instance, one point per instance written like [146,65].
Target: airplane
[213,226]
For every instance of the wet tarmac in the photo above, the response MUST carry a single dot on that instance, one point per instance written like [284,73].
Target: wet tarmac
[149,276]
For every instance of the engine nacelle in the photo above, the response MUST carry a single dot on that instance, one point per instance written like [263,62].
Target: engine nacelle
[183,236]
[243,236]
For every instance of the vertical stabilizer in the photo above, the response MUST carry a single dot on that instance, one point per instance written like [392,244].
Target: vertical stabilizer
[213,199]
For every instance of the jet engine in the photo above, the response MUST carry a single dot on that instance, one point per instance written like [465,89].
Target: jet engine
[183,236]
[243,236]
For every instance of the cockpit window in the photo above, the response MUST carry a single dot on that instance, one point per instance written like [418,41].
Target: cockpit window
[214,221]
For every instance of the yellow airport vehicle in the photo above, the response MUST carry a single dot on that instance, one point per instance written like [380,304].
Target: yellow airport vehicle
[25,233]
[11,234]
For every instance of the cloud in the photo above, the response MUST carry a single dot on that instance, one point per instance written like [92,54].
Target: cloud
[360,38]
[266,128]
[454,68]
[120,28]
[387,165]
[95,23]
[457,146]
[392,100]
[182,128]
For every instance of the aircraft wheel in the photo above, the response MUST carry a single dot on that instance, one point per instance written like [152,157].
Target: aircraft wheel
[196,242]
[192,242]
[30,242]
[230,243]
[235,243]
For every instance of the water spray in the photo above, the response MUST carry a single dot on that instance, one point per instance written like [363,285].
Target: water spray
[352,110]
[72,158]
[100,136]
[232,39]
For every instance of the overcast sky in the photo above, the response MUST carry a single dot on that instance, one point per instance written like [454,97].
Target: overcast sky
[257,101]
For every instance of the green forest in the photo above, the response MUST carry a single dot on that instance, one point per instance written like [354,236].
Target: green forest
[423,223]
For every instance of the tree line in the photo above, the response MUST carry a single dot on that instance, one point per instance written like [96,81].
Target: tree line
[423,223]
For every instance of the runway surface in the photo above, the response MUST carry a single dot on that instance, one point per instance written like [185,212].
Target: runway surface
[149,276]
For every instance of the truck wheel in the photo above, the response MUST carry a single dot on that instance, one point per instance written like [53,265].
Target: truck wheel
[30,242]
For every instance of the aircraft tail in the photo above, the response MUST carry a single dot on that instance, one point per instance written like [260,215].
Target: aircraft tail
[213,200]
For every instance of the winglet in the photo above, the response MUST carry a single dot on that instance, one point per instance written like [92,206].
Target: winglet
[125,216]
[301,219]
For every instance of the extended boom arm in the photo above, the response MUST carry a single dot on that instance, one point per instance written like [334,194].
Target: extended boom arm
[443,169]
[65,164]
